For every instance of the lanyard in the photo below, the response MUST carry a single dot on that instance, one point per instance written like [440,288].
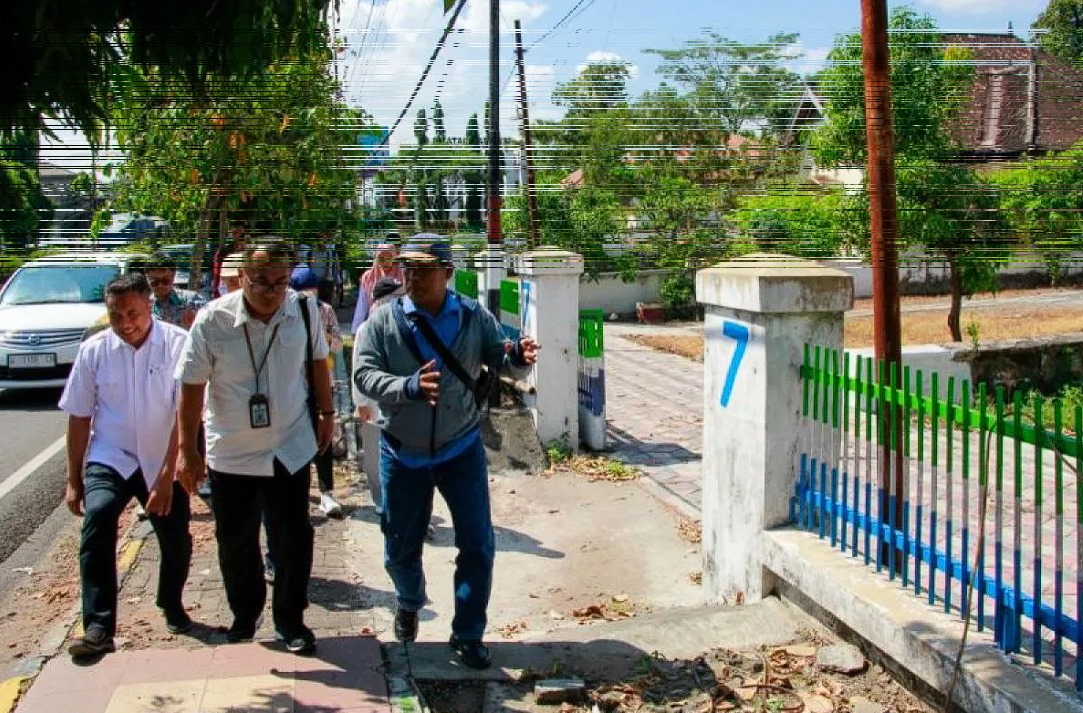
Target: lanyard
[252,356]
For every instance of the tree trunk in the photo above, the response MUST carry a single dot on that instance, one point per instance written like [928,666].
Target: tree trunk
[955,313]
[206,219]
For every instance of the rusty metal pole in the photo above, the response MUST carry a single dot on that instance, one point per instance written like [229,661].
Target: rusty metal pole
[528,146]
[883,225]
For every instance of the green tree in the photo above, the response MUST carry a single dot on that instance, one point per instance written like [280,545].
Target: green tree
[928,83]
[268,148]
[438,129]
[22,207]
[421,129]
[945,207]
[1061,29]
[1043,202]
[735,84]
[598,86]
[473,136]
[62,59]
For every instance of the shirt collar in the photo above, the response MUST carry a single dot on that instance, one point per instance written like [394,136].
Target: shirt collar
[451,306]
[288,310]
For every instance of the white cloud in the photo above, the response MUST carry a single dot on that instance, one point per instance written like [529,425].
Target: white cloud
[385,58]
[601,56]
[811,60]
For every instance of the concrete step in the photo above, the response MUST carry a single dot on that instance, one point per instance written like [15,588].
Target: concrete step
[609,651]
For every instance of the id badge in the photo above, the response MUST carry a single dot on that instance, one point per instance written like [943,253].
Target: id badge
[259,411]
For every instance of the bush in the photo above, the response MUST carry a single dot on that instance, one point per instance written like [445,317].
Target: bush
[801,224]
[678,290]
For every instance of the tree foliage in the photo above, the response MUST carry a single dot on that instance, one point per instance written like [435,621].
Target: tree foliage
[928,85]
[1042,200]
[1061,26]
[62,59]
[944,207]
[736,84]
[596,88]
[267,149]
[22,206]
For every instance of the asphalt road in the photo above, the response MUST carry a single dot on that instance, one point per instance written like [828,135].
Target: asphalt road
[29,424]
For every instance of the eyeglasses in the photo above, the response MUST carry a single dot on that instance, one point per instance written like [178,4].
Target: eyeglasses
[156,281]
[268,286]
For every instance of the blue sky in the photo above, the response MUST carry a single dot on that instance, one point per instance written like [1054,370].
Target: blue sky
[399,34]
[388,42]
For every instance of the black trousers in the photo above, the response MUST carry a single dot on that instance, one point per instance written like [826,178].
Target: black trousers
[107,493]
[238,502]
[325,470]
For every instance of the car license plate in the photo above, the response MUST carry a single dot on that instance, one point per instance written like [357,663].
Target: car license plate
[31,361]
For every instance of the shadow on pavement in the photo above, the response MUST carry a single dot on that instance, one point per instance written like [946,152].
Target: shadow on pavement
[29,399]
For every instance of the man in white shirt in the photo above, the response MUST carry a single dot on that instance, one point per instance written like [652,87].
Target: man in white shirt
[246,357]
[121,400]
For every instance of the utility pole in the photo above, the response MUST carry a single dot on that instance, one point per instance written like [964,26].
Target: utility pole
[494,262]
[887,322]
[528,146]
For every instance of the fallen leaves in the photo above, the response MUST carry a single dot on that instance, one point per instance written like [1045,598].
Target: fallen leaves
[690,530]
[594,468]
[513,629]
[618,607]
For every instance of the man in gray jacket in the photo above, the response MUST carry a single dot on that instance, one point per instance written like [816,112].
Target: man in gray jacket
[431,435]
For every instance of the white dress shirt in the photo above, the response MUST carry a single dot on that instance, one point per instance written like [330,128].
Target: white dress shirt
[216,354]
[130,395]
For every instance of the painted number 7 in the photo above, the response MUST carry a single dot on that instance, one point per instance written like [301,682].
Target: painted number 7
[738,333]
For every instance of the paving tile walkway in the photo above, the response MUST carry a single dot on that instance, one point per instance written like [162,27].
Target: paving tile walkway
[197,672]
[654,412]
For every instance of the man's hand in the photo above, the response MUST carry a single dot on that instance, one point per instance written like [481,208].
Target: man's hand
[528,349]
[190,469]
[325,432]
[73,496]
[160,499]
[430,383]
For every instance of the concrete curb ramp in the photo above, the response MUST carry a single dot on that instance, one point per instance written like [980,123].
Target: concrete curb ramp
[914,636]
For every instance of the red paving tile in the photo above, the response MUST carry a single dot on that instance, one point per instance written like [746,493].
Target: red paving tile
[167,665]
[83,700]
[344,675]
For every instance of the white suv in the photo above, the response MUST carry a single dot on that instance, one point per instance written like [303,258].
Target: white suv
[46,308]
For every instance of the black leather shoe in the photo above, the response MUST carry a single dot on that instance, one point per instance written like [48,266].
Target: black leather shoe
[239,632]
[301,642]
[177,620]
[405,625]
[473,654]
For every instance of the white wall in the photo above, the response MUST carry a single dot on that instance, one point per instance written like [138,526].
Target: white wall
[609,293]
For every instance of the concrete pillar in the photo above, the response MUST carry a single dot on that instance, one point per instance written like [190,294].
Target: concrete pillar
[761,310]
[549,296]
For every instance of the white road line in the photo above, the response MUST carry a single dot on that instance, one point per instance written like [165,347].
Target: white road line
[32,465]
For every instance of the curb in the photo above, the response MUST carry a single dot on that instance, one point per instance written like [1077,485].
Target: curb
[668,498]
[12,689]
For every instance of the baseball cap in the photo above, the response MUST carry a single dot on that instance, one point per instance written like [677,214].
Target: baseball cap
[304,278]
[232,264]
[427,247]
[385,286]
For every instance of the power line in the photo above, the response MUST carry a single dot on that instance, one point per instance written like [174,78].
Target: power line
[425,72]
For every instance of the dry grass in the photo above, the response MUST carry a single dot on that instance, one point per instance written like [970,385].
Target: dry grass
[1005,321]
[1010,322]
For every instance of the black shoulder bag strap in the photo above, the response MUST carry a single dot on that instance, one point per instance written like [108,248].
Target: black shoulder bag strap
[440,348]
[302,301]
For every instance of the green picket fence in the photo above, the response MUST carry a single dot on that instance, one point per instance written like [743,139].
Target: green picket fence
[982,509]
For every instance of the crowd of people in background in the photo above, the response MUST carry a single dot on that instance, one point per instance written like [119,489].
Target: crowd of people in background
[234,398]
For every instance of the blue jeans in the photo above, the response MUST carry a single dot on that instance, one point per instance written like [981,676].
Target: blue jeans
[106,494]
[407,493]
